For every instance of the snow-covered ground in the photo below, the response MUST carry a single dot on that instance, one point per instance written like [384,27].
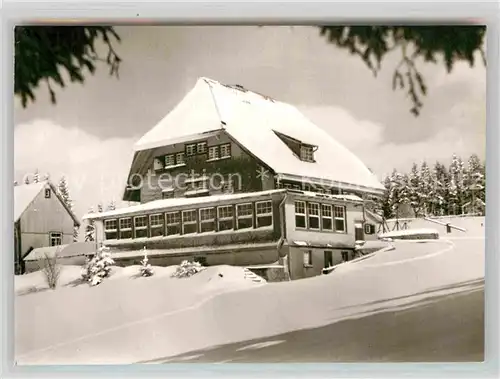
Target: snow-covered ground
[128,319]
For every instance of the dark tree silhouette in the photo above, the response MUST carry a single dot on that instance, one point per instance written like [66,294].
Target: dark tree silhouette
[431,43]
[43,52]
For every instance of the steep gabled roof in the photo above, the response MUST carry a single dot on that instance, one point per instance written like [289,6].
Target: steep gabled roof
[25,194]
[255,122]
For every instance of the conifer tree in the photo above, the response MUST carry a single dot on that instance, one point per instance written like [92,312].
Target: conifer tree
[416,198]
[111,206]
[63,190]
[90,229]
[36,176]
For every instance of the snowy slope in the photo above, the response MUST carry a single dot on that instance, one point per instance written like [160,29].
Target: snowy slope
[125,321]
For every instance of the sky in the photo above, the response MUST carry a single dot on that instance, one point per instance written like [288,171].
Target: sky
[88,135]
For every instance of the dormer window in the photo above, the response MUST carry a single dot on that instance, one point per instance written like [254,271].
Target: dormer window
[307,153]
[191,149]
[201,147]
[303,151]
[179,158]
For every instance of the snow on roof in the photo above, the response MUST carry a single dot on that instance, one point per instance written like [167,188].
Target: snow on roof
[408,232]
[24,195]
[188,201]
[178,201]
[252,120]
[63,251]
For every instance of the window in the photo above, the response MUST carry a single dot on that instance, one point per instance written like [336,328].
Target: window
[308,258]
[125,228]
[156,225]
[264,213]
[180,158]
[169,160]
[300,214]
[244,214]
[55,238]
[201,147]
[369,228]
[306,153]
[207,220]
[213,152]
[339,213]
[47,193]
[225,150]
[313,213]
[110,229]
[326,217]
[189,222]
[141,226]
[225,217]
[191,149]
[173,220]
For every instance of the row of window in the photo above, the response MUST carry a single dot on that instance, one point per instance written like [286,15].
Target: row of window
[192,149]
[229,217]
[310,188]
[323,217]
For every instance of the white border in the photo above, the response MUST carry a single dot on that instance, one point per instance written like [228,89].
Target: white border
[254,12]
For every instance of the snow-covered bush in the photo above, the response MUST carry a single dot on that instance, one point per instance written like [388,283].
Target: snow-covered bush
[145,269]
[99,267]
[187,269]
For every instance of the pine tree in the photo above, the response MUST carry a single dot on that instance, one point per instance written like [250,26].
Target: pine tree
[99,267]
[111,206]
[382,204]
[398,192]
[36,177]
[90,229]
[476,180]
[26,179]
[416,198]
[100,208]
[145,269]
[457,179]
[426,188]
[440,195]
[63,190]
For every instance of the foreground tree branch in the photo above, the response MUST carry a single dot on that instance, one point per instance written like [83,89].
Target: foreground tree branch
[42,53]
[450,44]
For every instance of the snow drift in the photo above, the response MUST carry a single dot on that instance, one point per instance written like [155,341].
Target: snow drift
[127,319]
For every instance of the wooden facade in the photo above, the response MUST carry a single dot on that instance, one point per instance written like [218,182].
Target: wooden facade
[179,170]
[45,221]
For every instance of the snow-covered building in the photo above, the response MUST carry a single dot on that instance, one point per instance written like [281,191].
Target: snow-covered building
[212,175]
[41,218]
